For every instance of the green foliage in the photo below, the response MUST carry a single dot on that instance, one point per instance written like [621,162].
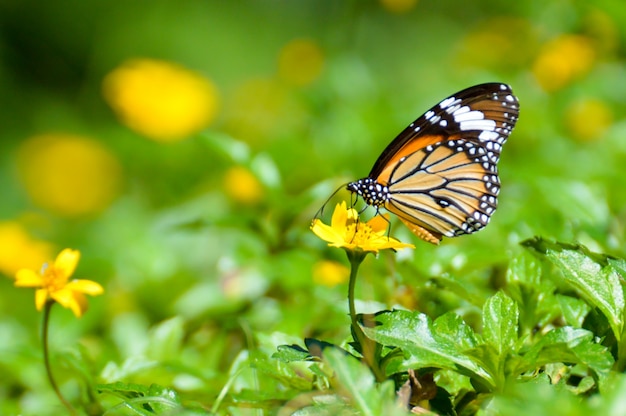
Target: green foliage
[516,346]
[214,301]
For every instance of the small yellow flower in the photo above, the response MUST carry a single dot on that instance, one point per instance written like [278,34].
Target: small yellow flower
[161,100]
[19,249]
[330,273]
[563,60]
[588,118]
[398,6]
[53,283]
[242,186]
[69,175]
[300,62]
[347,231]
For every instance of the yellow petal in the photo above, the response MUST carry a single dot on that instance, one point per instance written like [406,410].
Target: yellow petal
[28,278]
[88,287]
[68,299]
[340,216]
[41,296]
[379,223]
[66,262]
[80,305]
[326,233]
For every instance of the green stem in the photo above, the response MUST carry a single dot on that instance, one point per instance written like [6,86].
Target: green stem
[368,347]
[46,358]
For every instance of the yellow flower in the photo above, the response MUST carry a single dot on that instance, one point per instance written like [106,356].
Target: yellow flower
[347,231]
[563,60]
[19,249]
[330,273]
[588,118]
[300,62]
[398,6]
[242,186]
[160,99]
[69,175]
[53,283]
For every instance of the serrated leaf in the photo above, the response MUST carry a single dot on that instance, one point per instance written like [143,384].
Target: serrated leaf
[591,274]
[412,332]
[452,328]
[500,317]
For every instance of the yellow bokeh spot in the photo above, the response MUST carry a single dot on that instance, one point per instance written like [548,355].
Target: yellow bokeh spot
[587,119]
[68,175]
[18,249]
[398,6]
[261,109]
[242,186]
[500,42]
[161,100]
[330,273]
[300,62]
[563,60]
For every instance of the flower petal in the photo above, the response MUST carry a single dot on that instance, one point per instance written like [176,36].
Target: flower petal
[70,299]
[41,296]
[379,223]
[28,278]
[66,262]
[327,233]
[88,287]
[340,216]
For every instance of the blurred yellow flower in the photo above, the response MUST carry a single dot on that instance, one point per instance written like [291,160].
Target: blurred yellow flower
[398,6]
[69,175]
[330,273]
[242,186]
[501,42]
[300,62]
[18,249]
[262,108]
[161,100]
[53,283]
[587,119]
[563,60]
[347,231]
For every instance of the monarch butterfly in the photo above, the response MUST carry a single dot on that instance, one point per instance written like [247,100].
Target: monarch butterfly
[440,174]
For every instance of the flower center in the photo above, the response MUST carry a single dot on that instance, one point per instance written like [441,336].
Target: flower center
[53,278]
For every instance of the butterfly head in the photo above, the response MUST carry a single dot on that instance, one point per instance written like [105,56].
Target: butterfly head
[372,192]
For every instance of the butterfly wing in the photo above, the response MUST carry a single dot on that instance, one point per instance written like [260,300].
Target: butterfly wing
[441,171]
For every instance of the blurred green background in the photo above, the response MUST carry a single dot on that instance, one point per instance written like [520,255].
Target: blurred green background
[184,146]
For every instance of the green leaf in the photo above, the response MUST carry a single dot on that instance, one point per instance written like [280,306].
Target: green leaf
[500,316]
[570,345]
[289,353]
[166,339]
[358,383]
[414,334]
[153,399]
[591,274]
[574,310]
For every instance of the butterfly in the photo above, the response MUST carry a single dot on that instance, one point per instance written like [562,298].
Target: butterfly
[440,174]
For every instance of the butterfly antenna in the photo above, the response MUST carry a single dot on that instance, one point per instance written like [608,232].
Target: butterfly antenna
[320,211]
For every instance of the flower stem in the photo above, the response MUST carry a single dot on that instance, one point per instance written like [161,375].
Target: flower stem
[46,358]
[368,347]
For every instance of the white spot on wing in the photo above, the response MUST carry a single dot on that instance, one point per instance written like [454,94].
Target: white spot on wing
[475,124]
[488,136]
